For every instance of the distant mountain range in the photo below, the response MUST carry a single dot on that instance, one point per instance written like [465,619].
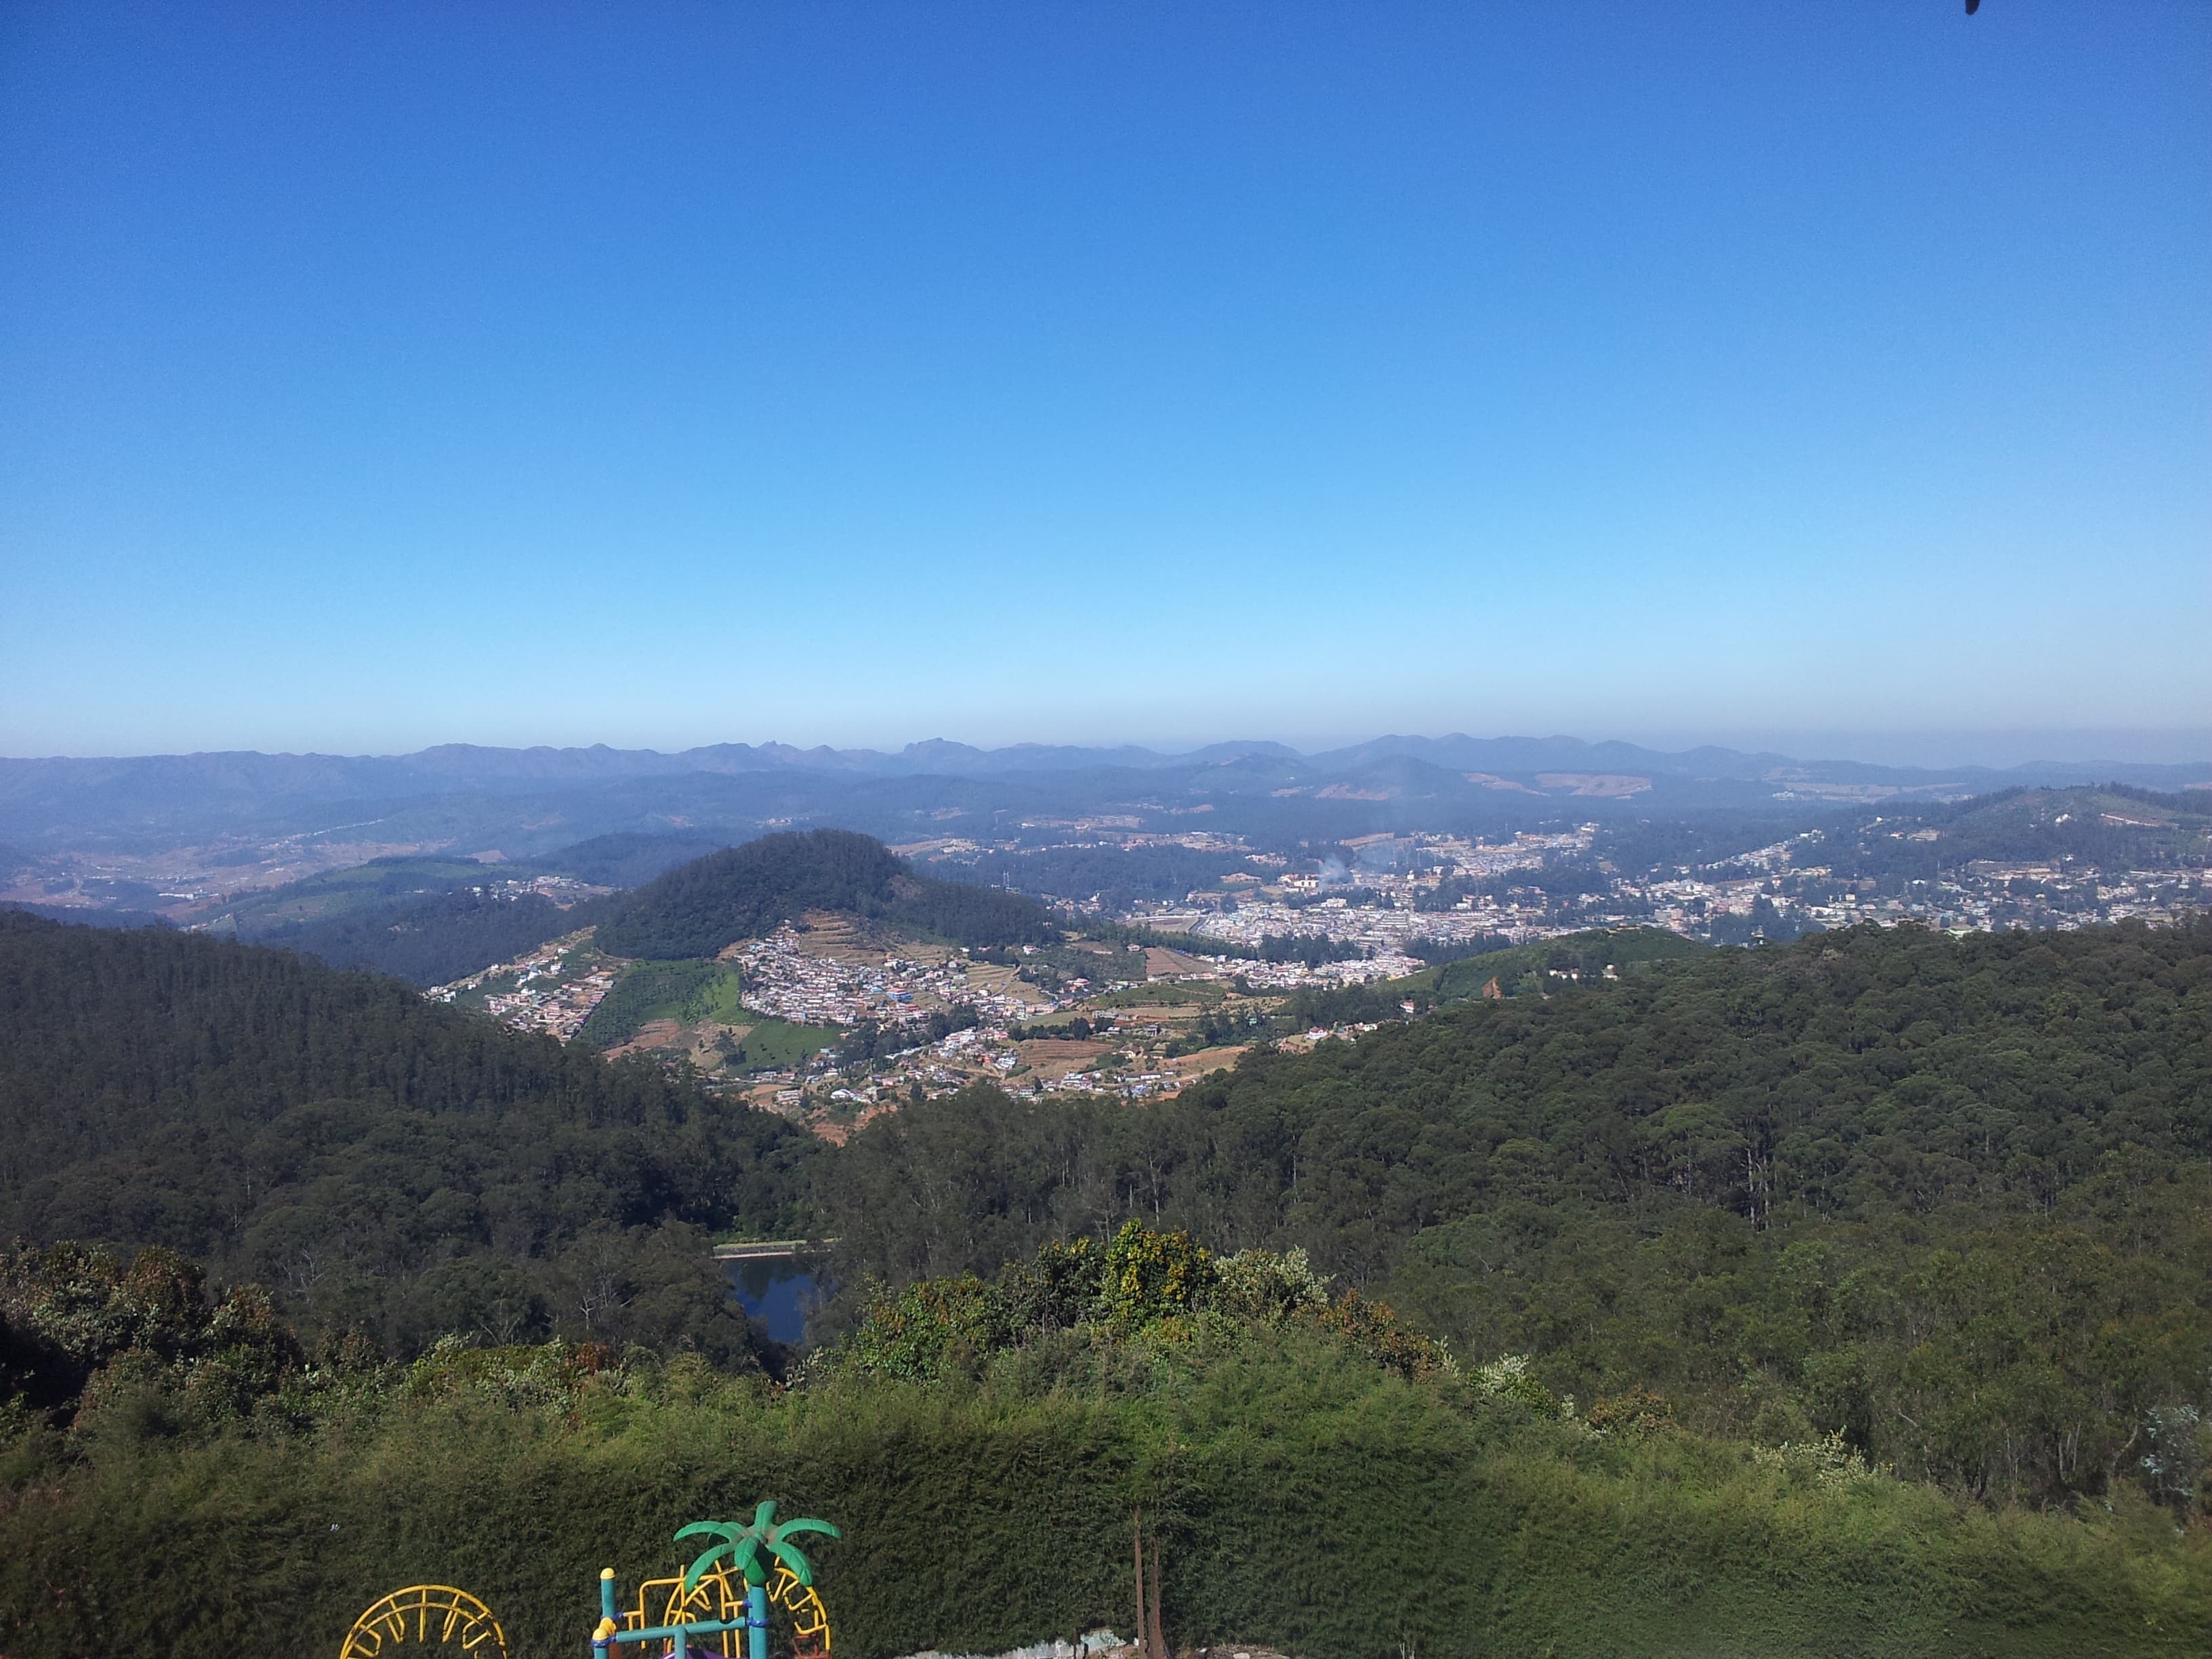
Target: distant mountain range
[186,781]
[520,802]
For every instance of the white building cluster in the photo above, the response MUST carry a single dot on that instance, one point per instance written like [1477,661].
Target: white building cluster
[784,980]
[553,989]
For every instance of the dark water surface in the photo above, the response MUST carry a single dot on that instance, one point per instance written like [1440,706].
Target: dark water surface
[779,1291]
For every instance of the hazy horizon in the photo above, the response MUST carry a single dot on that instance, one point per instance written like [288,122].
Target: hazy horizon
[1995,751]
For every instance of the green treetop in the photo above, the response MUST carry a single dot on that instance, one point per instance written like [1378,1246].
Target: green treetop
[743,1545]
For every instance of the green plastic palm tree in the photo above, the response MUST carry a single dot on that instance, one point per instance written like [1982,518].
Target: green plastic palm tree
[744,1547]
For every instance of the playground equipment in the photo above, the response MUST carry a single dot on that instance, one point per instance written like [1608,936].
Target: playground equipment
[426,1615]
[733,1586]
[704,1601]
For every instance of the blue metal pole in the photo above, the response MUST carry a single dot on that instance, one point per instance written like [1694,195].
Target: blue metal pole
[602,1638]
[756,1621]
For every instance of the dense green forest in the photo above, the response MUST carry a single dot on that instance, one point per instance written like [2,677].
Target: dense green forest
[1591,958]
[629,858]
[748,890]
[379,1162]
[1947,1197]
[429,941]
[1116,876]
[1878,1266]
[432,920]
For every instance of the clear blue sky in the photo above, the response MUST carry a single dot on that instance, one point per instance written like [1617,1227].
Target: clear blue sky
[376,375]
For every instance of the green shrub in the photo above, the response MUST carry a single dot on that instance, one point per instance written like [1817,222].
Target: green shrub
[1304,1499]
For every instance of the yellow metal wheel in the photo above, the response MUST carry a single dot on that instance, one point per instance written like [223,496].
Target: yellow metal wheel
[425,1616]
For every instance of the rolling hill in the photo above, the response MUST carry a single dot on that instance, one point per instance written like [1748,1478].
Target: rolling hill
[2111,826]
[748,890]
[431,921]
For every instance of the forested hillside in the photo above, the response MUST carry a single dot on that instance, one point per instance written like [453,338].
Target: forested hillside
[379,1162]
[1580,959]
[430,941]
[1831,1265]
[627,858]
[1945,1196]
[431,921]
[746,891]
[1117,877]
[2112,827]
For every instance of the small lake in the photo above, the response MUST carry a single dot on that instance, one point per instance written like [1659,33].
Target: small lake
[779,1291]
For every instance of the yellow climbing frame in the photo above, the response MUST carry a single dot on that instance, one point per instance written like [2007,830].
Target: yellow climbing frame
[662,1602]
[426,1615]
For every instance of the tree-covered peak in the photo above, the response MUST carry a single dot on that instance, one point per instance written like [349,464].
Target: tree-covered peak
[748,890]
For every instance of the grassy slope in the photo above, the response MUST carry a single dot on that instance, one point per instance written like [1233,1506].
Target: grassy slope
[776,1043]
[686,991]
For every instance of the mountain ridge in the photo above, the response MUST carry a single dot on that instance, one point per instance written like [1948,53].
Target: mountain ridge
[521,802]
[315,774]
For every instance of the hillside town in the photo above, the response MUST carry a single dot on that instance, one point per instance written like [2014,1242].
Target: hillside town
[870,1018]
[552,990]
[1775,891]
[790,976]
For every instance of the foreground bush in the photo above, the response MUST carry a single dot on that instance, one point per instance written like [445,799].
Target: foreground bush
[1306,1498]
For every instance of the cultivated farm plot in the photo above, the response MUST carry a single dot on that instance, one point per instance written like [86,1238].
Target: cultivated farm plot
[1167,997]
[1186,1069]
[756,1044]
[1005,981]
[853,943]
[1160,962]
[1053,1058]
[655,1035]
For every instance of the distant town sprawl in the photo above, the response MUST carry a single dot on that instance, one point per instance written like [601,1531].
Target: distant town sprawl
[1442,890]
[833,1020]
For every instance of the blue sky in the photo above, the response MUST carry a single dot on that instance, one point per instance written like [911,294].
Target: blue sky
[656,374]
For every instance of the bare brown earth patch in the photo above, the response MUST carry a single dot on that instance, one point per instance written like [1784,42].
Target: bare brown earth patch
[845,940]
[1188,1068]
[1052,1058]
[1161,962]
[839,1130]
[653,1034]
[1609,786]
[1006,981]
